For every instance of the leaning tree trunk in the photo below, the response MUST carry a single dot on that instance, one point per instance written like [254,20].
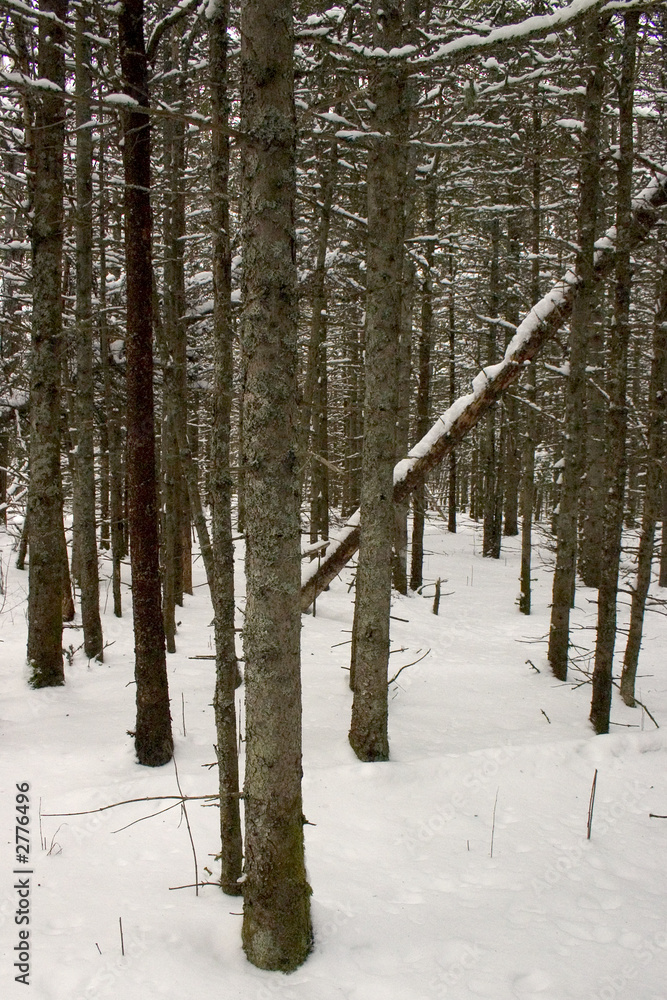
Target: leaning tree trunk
[84,483]
[276,895]
[539,327]
[617,415]
[385,186]
[221,572]
[45,497]
[153,737]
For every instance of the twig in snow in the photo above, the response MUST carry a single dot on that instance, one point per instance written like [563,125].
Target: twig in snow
[142,818]
[405,666]
[187,823]
[192,885]
[142,798]
[591,804]
[493,821]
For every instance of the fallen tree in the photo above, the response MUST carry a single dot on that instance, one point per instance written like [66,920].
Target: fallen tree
[539,326]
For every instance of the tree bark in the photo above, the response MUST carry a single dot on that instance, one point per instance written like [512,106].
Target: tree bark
[385,184]
[153,736]
[45,493]
[617,414]
[530,429]
[84,496]
[314,420]
[424,380]
[651,508]
[222,581]
[490,459]
[112,416]
[452,503]
[276,907]
[580,325]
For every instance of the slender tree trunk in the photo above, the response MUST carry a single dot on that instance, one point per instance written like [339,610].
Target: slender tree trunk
[276,906]
[662,578]
[593,521]
[315,392]
[404,370]
[111,405]
[353,434]
[177,556]
[580,324]
[530,423]
[23,541]
[84,483]
[490,459]
[510,448]
[222,583]
[651,509]
[617,417]
[424,382]
[45,498]
[452,505]
[153,737]
[385,184]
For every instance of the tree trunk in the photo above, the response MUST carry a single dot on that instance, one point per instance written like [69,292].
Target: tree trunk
[452,505]
[353,429]
[424,380]
[530,423]
[580,325]
[315,393]
[222,582]
[84,483]
[404,370]
[112,416]
[490,459]
[385,184]
[651,510]
[45,496]
[153,737]
[593,521]
[276,907]
[617,416]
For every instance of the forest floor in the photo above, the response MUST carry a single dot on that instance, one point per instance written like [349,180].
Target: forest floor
[461,868]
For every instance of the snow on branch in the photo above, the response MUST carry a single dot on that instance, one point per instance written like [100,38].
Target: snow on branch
[179,11]
[538,327]
[532,27]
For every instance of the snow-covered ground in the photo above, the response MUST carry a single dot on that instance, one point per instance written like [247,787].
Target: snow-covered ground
[418,892]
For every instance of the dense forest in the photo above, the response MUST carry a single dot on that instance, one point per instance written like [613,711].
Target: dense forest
[300,277]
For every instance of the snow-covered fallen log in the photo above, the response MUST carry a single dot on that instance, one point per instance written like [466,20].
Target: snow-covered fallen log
[539,326]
